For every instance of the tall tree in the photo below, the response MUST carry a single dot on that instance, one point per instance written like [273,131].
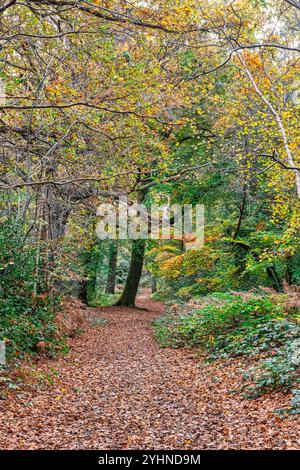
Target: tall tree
[129,293]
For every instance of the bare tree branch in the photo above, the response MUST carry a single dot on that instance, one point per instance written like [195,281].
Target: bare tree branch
[78,104]
[275,158]
[293,3]
[111,15]
[7,5]
[267,45]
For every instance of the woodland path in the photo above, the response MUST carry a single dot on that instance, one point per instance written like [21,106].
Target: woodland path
[117,389]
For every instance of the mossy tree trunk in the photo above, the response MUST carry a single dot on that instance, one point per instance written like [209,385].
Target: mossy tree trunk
[274,278]
[128,296]
[153,284]
[112,267]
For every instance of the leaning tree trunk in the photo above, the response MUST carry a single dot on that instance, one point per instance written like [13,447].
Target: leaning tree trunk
[274,278]
[153,284]
[128,296]
[112,267]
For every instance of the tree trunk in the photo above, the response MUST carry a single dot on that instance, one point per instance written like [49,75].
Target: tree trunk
[153,284]
[241,210]
[128,296]
[112,267]
[83,295]
[274,278]
[58,219]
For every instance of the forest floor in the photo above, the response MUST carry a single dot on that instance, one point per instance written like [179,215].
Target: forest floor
[117,389]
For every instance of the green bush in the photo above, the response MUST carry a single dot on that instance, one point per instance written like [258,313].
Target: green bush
[253,327]
[206,326]
[101,299]
[27,311]
[272,373]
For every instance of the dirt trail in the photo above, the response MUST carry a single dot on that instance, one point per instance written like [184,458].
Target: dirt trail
[117,389]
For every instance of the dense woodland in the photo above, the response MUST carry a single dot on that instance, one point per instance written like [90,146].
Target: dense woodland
[188,101]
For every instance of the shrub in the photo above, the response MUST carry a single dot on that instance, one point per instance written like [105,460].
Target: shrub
[240,327]
[206,326]
[27,310]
